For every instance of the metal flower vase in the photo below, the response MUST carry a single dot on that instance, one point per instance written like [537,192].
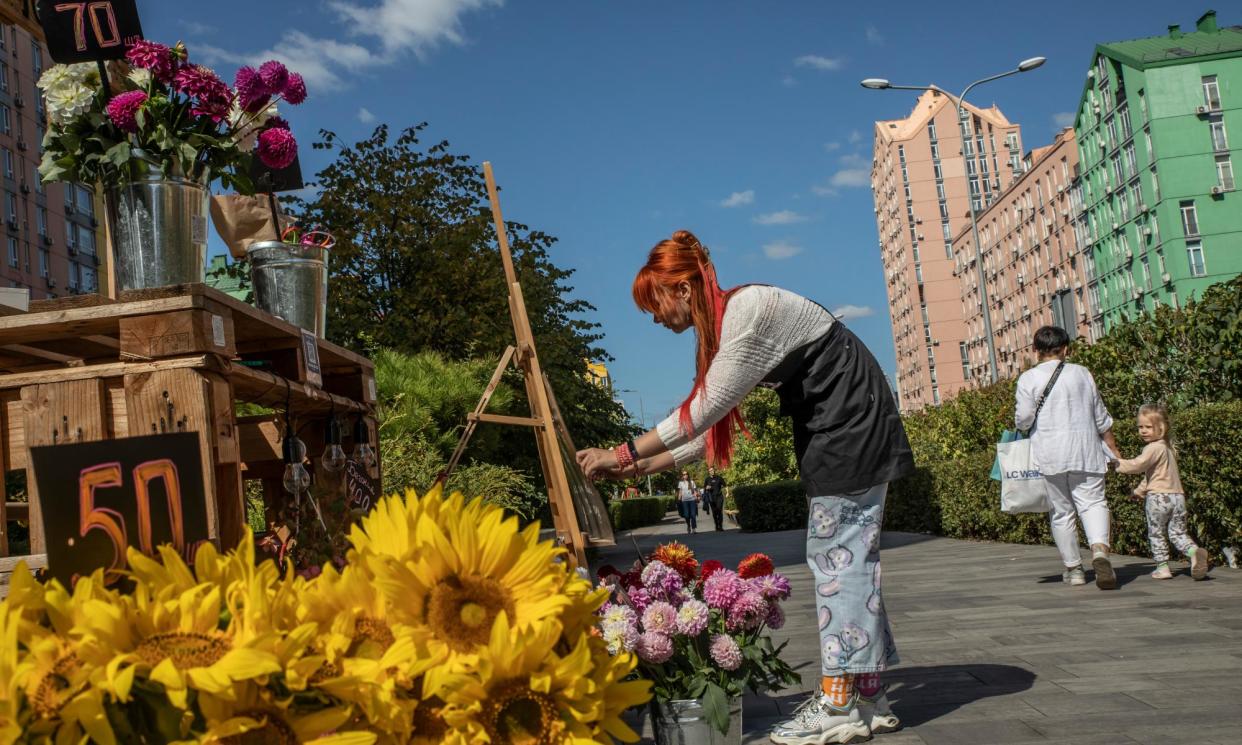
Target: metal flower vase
[685,722]
[158,224]
[290,281]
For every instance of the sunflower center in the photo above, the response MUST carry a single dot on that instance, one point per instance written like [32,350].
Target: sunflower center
[516,715]
[461,610]
[187,649]
[372,638]
[275,730]
[48,696]
[428,723]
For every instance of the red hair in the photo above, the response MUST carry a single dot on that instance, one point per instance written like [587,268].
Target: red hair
[672,261]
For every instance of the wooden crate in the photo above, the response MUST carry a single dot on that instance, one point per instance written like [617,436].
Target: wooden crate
[173,359]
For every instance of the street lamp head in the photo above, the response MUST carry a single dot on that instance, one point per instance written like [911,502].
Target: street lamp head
[876,84]
[1030,64]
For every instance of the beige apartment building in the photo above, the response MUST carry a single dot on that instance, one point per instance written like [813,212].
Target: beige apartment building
[1033,261]
[927,171]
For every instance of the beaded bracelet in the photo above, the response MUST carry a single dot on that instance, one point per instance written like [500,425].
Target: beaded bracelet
[625,458]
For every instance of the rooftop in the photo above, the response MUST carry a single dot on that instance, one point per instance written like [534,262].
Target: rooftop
[1175,47]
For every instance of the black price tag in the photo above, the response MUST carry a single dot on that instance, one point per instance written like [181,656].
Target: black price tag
[100,498]
[310,353]
[89,31]
[269,181]
[359,488]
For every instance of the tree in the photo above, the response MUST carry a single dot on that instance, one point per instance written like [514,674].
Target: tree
[768,454]
[416,268]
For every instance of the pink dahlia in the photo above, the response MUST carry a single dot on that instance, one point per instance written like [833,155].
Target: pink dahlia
[197,81]
[654,647]
[771,586]
[692,617]
[295,89]
[277,148]
[639,598]
[722,588]
[660,617]
[661,579]
[725,652]
[123,110]
[157,58]
[776,617]
[275,76]
[747,612]
[252,94]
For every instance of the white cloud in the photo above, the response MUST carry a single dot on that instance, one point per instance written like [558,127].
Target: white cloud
[196,28]
[784,217]
[781,250]
[874,36]
[854,172]
[1063,118]
[399,27]
[365,116]
[739,198]
[855,137]
[818,63]
[831,146]
[789,81]
[845,312]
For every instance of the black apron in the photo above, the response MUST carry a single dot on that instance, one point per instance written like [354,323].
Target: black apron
[847,433]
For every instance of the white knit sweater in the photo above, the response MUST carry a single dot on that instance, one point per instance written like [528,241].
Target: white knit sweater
[762,325]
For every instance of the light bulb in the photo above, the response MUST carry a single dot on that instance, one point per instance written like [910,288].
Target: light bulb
[364,454]
[333,458]
[297,478]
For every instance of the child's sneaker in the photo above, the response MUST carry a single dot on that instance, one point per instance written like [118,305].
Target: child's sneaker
[817,722]
[1162,572]
[1105,577]
[1198,562]
[1074,576]
[876,713]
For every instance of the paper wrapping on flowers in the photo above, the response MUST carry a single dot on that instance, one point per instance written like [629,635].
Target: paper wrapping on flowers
[242,220]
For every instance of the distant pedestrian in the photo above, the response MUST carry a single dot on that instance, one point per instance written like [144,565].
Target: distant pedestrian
[1066,445]
[1162,488]
[688,501]
[713,494]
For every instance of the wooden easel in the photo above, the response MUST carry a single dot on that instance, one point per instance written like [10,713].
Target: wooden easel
[580,521]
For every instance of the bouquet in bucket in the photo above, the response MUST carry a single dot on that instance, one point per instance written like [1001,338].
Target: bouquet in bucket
[162,108]
[699,631]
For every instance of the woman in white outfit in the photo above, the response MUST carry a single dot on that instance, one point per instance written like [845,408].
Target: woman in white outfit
[1067,445]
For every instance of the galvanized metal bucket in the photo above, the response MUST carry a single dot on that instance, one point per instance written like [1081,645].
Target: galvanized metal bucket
[290,281]
[159,227]
[685,723]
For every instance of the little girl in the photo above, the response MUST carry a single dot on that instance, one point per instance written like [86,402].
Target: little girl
[1166,502]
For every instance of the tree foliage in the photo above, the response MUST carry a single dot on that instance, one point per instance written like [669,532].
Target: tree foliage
[768,454]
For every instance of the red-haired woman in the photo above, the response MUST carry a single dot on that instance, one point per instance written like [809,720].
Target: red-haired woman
[849,443]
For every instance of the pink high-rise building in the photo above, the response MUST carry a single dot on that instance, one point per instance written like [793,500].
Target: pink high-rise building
[927,171]
[1033,262]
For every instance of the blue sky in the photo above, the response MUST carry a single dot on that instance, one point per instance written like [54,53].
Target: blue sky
[612,123]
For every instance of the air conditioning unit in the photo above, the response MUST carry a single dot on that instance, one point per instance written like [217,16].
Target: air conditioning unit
[21,144]
[1147,232]
[1116,226]
[1065,212]
[1021,279]
[47,239]
[1129,255]
[18,101]
[1088,242]
[1095,107]
[1060,190]
[1218,190]
[1142,206]
[25,188]
[1166,278]
[1202,109]
[51,282]
[1136,293]
[1103,145]
[918,221]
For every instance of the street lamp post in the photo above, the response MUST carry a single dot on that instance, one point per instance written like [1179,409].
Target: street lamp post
[1024,66]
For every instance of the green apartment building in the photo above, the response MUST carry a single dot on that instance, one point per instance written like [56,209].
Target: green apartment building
[1159,126]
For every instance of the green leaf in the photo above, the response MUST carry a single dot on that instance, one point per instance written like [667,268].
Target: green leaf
[716,707]
[118,155]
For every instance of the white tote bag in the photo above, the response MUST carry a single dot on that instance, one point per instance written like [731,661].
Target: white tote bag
[1022,485]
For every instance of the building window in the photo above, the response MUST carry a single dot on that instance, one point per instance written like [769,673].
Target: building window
[39,186]
[6,119]
[1194,252]
[11,200]
[1190,219]
[1155,184]
[931,129]
[41,219]
[1131,160]
[1142,104]
[1211,93]
[961,348]
[1118,173]
[4,77]
[8,162]
[85,200]
[71,232]
[936,395]
[43,262]
[1224,172]
[1111,124]
[1123,114]
[1146,273]
[36,56]
[1220,141]
[86,242]
[12,251]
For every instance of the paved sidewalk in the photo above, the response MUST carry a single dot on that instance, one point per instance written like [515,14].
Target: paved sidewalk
[996,650]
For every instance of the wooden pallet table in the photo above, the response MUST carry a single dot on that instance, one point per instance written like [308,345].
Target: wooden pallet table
[168,360]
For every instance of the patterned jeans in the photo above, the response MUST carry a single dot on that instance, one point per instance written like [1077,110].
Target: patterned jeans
[843,550]
[1167,511]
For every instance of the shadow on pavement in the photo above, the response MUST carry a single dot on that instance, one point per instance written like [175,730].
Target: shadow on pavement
[923,694]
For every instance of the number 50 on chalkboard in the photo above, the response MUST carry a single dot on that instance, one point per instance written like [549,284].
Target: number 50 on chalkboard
[101,498]
[89,30]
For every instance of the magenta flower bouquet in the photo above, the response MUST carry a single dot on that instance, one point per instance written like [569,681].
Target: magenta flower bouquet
[699,632]
[165,109]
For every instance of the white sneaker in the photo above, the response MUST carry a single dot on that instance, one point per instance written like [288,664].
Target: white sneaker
[817,722]
[1074,576]
[1105,577]
[1198,562]
[877,714]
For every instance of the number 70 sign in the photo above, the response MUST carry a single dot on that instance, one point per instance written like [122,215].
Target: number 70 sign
[100,498]
[89,30]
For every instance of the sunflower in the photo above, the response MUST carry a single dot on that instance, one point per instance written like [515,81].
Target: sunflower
[58,689]
[522,691]
[256,717]
[13,669]
[619,694]
[450,568]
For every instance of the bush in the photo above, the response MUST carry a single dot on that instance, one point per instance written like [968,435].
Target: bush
[638,512]
[762,508]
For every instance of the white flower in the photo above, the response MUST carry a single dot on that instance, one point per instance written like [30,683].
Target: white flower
[66,102]
[140,77]
[248,134]
[58,76]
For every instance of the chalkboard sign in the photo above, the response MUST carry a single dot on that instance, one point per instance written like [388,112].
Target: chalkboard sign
[273,181]
[310,351]
[99,498]
[359,488]
[89,31]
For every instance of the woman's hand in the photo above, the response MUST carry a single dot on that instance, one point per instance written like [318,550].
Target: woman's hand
[598,462]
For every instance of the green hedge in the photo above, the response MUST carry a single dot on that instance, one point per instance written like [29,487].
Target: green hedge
[780,505]
[638,512]
[956,498]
